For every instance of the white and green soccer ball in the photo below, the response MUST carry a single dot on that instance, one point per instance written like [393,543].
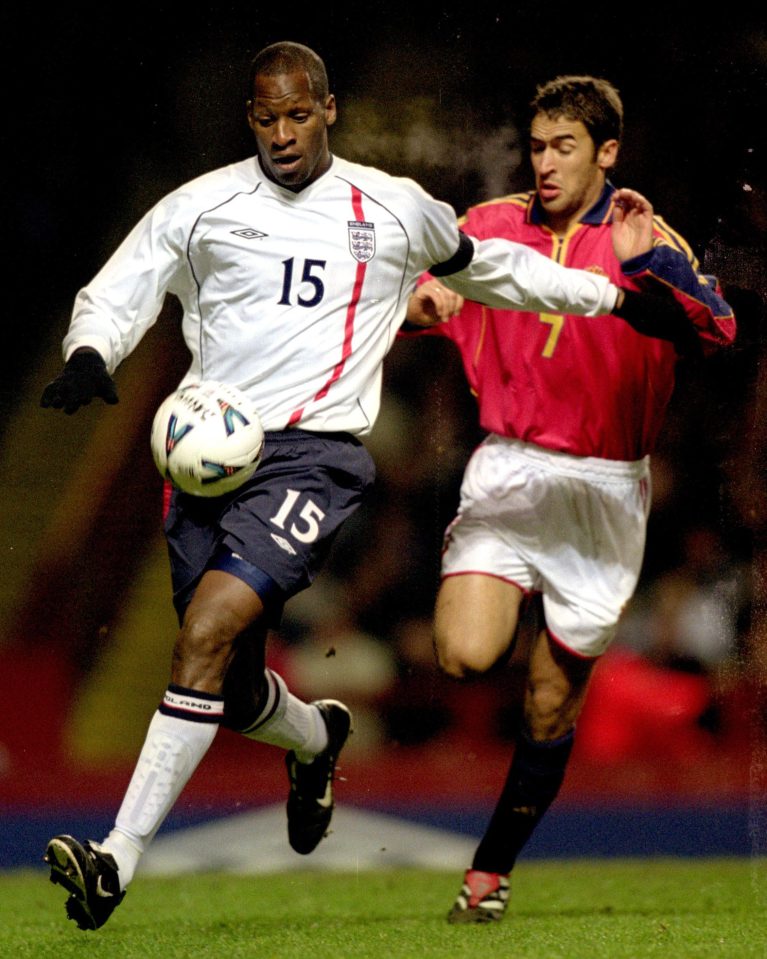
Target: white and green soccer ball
[207,438]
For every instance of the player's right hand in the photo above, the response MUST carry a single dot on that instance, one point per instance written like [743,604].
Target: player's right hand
[632,228]
[83,377]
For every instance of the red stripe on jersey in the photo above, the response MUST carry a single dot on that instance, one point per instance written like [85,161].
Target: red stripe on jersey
[351,312]
[296,416]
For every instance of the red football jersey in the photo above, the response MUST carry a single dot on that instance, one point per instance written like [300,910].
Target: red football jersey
[581,385]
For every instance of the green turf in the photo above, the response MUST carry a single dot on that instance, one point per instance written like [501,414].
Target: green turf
[611,909]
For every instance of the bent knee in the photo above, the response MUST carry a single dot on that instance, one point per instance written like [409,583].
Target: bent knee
[201,632]
[461,658]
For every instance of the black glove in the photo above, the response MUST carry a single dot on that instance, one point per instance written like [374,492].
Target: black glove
[661,317]
[84,376]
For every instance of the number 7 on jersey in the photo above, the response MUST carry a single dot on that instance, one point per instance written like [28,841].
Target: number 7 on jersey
[556,322]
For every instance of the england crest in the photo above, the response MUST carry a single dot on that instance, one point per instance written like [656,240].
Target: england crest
[362,240]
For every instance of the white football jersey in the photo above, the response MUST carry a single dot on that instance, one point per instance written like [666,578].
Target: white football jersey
[295,298]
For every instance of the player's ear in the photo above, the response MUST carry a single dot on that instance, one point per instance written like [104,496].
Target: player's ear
[330,110]
[607,154]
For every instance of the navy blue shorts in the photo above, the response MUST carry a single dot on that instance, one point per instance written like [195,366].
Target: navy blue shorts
[275,531]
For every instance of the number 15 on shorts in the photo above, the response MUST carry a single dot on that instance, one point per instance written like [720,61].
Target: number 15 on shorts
[303,518]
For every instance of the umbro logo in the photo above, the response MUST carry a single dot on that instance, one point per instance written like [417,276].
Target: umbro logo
[249,233]
[283,544]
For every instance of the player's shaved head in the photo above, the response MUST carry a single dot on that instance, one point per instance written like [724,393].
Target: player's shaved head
[288,57]
[593,101]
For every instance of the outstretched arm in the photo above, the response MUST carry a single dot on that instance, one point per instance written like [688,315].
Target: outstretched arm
[507,275]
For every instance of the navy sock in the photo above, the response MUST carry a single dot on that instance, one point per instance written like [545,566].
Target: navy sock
[534,778]
[245,687]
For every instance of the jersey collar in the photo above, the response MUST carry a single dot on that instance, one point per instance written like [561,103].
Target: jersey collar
[292,195]
[601,212]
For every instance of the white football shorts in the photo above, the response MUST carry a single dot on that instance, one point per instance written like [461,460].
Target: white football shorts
[570,527]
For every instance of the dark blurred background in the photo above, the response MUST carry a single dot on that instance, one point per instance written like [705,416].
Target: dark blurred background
[109,108]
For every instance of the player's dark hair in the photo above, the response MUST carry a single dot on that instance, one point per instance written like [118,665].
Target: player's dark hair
[596,103]
[289,57]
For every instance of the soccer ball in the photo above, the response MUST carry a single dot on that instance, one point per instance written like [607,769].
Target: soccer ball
[207,438]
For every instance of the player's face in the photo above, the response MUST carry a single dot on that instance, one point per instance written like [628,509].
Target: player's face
[290,125]
[569,170]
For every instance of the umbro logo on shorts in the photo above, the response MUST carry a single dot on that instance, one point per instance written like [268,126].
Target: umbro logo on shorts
[283,544]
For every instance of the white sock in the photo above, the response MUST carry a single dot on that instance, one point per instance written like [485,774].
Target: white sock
[173,748]
[126,854]
[288,722]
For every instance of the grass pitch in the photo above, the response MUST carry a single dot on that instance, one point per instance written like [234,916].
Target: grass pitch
[688,909]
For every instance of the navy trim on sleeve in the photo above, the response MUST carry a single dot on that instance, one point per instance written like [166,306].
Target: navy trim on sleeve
[458,261]
[637,264]
[661,317]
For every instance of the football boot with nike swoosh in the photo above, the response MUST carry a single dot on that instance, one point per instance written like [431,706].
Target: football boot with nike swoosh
[90,877]
[310,803]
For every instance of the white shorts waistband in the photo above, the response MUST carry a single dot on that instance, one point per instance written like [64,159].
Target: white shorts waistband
[586,467]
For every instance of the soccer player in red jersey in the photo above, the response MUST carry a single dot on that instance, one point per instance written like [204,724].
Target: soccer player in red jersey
[555,500]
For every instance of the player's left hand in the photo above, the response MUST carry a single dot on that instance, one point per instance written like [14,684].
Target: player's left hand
[632,224]
[432,303]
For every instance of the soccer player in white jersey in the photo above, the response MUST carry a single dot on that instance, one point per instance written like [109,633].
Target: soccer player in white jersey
[293,268]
